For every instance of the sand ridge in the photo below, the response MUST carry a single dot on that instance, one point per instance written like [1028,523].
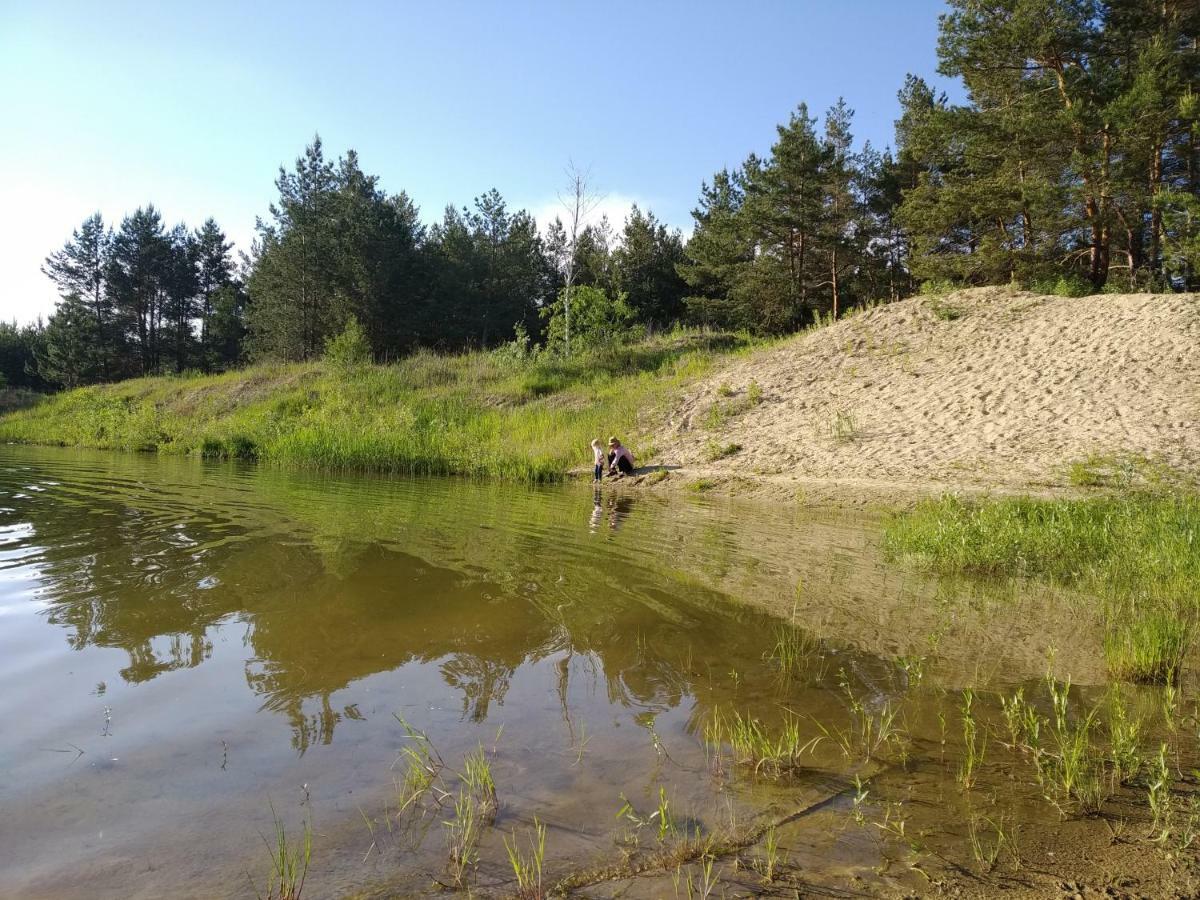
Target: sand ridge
[989,386]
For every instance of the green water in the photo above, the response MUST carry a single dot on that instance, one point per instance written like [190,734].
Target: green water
[184,646]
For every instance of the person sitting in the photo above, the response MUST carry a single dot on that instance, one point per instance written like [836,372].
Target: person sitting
[620,460]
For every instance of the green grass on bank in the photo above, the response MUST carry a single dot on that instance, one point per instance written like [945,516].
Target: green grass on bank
[1137,554]
[476,414]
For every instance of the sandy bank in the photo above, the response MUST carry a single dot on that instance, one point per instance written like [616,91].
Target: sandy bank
[985,390]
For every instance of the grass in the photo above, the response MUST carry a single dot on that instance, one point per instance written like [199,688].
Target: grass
[755,747]
[1136,555]
[721,412]
[289,861]
[477,414]
[528,869]
[843,427]
[946,312]
[714,451]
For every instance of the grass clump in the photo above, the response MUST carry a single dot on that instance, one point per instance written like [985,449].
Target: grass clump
[289,861]
[481,414]
[946,312]
[748,743]
[528,869]
[714,451]
[843,427]
[1138,555]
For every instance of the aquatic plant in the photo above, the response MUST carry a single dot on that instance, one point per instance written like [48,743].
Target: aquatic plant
[462,837]
[528,869]
[289,861]
[974,742]
[752,745]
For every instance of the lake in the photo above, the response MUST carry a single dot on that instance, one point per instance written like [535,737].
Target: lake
[192,652]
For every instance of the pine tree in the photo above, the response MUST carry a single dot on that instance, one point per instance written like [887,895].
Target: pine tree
[644,269]
[140,272]
[68,353]
[214,272]
[291,284]
[718,256]
[79,268]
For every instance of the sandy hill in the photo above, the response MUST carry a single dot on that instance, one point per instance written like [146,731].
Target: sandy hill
[986,387]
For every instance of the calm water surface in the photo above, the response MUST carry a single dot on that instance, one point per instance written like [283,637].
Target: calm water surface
[185,645]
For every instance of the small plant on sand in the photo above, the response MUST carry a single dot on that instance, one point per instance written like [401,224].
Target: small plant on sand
[714,451]
[946,312]
[990,837]
[754,393]
[843,427]
[289,861]
[528,869]
[771,859]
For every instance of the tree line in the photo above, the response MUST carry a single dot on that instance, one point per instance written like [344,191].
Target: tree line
[1071,165]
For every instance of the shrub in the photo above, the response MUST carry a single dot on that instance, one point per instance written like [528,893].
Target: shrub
[349,350]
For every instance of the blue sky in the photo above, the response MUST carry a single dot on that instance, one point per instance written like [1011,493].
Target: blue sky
[106,106]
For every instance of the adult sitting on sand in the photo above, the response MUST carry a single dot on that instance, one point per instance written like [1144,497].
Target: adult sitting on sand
[620,460]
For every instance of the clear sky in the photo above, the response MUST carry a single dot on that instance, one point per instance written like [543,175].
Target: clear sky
[193,106]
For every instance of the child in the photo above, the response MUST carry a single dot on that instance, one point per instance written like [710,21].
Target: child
[598,460]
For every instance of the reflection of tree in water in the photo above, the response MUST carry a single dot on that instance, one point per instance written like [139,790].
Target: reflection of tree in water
[317,624]
[138,582]
[481,681]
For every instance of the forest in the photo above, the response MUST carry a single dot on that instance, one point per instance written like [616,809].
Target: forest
[1070,167]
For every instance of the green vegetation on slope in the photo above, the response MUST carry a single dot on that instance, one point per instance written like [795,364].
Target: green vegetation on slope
[476,414]
[1137,554]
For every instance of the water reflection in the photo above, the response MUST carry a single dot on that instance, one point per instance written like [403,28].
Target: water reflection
[327,583]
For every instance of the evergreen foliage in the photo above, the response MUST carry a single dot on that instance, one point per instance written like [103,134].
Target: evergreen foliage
[1071,167]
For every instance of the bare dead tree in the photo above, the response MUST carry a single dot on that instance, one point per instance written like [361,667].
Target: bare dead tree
[578,200]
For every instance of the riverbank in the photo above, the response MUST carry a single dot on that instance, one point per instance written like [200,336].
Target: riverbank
[988,390]
[480,415]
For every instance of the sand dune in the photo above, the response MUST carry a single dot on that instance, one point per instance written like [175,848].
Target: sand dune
[990,387]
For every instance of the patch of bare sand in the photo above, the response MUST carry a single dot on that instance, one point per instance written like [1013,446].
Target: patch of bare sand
[990,389]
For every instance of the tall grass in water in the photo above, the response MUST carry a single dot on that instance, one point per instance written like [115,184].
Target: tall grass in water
[528,870]
[289,862]
[1138,555]
[475,414]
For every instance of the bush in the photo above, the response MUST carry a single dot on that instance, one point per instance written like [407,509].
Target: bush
[1063,286]
[597,321]
[349,350]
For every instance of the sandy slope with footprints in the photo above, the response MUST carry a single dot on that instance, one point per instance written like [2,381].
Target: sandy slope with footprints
[989,387]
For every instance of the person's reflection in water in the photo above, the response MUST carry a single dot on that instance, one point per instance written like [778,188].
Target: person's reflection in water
[597,512]
[618,511]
